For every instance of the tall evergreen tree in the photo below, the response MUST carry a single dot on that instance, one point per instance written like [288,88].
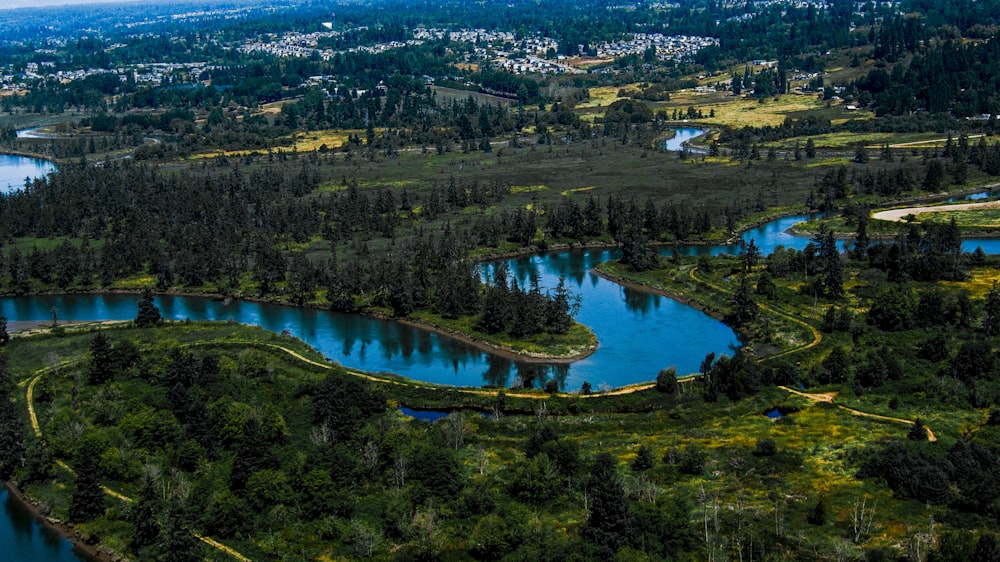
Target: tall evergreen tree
[833,269]
[149,314]
[609,525]
[144,516]
[11,424]
[742,306]
[176,542]
[497,312]
[562,307]
[102,361]
[88,499]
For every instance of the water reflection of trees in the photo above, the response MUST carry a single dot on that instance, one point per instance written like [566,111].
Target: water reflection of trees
[640,301]
[530,374]
[559,372]
[498,372]
[535,375]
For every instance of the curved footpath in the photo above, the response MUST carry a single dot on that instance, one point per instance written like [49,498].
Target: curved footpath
[817,336]
[477,391]
[33,419]
[827,397]
[36,426]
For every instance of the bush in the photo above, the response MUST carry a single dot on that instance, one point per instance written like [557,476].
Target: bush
[766,448]
[666,381]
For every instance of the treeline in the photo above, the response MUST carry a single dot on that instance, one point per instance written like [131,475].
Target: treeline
[190,120]
[952,77]
[232,227]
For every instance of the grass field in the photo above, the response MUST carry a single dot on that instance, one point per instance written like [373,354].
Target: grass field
[979,282]
[744,112]
[604,96]
[301,142]
[313,140]
[874,141]
[982,217]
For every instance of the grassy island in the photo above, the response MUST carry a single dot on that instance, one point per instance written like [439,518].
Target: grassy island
[578,341]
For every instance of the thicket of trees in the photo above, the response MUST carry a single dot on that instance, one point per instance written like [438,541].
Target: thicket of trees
[239,217]
[230,444]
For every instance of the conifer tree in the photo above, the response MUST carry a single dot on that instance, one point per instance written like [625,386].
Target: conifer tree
[88,499]
[11,424]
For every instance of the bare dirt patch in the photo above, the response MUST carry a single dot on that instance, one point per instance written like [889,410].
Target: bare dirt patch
[899,215]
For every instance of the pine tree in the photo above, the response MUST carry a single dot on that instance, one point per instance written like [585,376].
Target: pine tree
[666,381]
[101,368]
[149,314]
[917,431]
[143,517]
[643,459]
[11,424]
[88,499]
[833,269]
[562,307]
[497,313]
[609,525]
[177,543]
[742,307]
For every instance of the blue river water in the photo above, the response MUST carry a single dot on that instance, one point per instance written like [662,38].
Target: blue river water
[23,537]
[15,169]
[681,136]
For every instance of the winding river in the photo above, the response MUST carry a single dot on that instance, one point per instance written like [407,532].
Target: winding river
[640,333]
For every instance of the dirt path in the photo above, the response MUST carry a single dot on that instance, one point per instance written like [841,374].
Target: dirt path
[898,215]
[827,397]
[817,336]
[476,391]
[817,396]
[927,142]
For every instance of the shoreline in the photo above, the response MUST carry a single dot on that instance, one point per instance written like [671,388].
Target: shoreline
[88,552]
[22,328]
[516,356]
[662,292]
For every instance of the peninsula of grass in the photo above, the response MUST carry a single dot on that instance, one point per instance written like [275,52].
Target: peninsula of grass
[783,324]
[578,342]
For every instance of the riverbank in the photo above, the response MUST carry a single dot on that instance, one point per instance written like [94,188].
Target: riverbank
[33,155]
[39,512]
[23,328]
[574,355]
[640,286]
